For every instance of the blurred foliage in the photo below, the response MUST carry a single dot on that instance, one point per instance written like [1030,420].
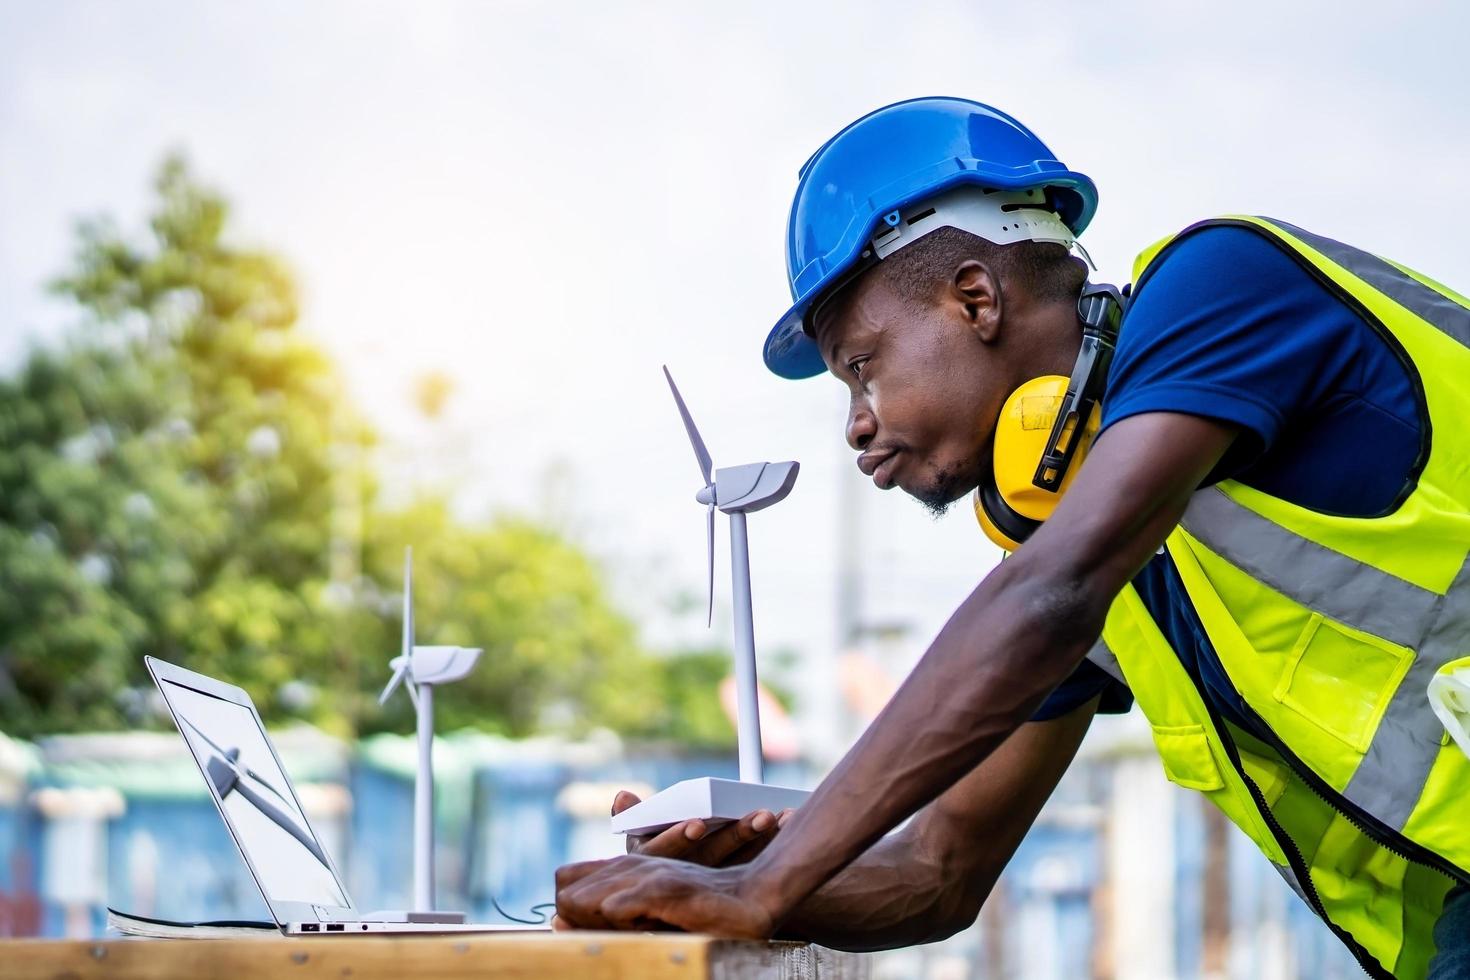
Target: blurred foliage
[187,478]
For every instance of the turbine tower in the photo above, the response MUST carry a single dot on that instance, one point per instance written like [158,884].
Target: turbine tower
[420,670]
[736,491]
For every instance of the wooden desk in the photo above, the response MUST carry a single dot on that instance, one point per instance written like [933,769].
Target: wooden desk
[577,956]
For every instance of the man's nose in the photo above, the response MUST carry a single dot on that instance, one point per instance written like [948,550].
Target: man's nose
[861,426]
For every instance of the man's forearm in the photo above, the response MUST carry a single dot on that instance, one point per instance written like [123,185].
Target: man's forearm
[928,881]
[1017,636]
[958,705]
[896,894]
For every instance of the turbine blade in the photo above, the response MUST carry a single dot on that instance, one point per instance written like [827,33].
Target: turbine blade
[394,681]
[709,550]
[706,466]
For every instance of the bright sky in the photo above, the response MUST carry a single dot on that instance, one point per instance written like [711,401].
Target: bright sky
[548,201]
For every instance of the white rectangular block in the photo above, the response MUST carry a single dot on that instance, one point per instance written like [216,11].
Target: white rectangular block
[713,800]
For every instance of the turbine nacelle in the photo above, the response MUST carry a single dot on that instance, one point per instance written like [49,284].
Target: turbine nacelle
[440,665]
[749,488]
[429,665]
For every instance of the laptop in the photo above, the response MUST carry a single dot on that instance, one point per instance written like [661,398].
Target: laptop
[249,786]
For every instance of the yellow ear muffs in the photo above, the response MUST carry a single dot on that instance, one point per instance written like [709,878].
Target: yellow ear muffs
[1035,458]
[1009,505]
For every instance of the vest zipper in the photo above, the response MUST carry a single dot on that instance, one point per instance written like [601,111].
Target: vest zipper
[1293,853]
[1367,824]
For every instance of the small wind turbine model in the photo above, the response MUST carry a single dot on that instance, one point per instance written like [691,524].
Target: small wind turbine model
[736,490]
[420,670]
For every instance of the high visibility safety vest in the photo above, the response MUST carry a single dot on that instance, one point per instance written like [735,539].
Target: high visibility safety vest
[1330,628]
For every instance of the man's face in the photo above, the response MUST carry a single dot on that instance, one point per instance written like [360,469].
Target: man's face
[925,386]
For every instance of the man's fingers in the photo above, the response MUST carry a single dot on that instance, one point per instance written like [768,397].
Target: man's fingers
[672,842]
[749,852]
[624,800]
[643,901]
[576,915]
[726,840]
[569,874]
[572,914]
[584,890]
[579,904]
[628,909]
[694,840]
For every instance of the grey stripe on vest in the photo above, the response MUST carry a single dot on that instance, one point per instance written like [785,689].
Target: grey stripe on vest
[1392,774]
[1289,876]
[1325,581]
[1103,658]
[1391,777]
[1421,300]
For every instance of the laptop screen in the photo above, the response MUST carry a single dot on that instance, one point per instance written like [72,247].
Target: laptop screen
[256,797]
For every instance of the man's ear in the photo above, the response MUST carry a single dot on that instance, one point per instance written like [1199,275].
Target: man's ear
[975,291]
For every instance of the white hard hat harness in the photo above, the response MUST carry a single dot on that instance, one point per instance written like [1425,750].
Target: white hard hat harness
[998,216]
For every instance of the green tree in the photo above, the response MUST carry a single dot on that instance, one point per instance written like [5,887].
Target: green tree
[177,480]
[164,480]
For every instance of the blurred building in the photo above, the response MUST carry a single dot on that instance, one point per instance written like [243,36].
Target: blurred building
[1124,875]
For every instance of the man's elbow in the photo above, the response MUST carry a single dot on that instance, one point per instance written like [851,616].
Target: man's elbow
[1068,611]
[958,914]
[1061,605]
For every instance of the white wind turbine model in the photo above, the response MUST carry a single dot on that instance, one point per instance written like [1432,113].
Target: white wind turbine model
[736,490]
[420,670]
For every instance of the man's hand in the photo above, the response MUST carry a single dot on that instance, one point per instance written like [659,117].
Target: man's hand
[694,841]
[641,892]
[691,840]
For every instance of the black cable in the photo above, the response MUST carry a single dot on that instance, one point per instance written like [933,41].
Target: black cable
[542,917]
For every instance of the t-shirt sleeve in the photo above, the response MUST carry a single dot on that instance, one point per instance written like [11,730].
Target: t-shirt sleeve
[1087,682]
[1226,326]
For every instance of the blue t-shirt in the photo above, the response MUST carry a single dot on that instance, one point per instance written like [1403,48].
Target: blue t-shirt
[1230,327]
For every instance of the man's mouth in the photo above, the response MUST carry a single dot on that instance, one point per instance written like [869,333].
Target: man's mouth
[879,466]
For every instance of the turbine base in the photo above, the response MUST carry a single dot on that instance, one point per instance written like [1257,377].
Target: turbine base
[715,801]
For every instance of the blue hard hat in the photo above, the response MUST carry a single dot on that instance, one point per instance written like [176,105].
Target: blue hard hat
[887,160]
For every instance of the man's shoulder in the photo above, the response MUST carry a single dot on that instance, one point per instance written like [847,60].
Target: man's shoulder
[1217,245]
[1219,276]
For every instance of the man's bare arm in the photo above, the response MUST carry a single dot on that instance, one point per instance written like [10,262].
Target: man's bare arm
[929,880]
[1018,635]
[1008,645]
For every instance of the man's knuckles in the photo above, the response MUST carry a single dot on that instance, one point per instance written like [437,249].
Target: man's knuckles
[569,874]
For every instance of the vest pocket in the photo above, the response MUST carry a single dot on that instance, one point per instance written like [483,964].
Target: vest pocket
[1341,679]
[1188,761]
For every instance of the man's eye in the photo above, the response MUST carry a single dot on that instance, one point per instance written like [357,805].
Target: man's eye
[856,366]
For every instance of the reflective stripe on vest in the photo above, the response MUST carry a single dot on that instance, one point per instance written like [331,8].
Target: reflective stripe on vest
[1366,598]
[1397,284]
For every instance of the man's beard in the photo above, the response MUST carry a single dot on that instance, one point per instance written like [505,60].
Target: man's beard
[948,486]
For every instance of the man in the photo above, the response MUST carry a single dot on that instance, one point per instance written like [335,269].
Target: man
[1269,535]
